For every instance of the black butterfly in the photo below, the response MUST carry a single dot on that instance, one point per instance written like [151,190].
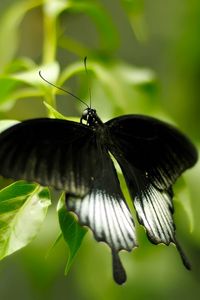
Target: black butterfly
[75,157]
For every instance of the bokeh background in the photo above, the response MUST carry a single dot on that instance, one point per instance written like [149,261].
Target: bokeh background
[143,57]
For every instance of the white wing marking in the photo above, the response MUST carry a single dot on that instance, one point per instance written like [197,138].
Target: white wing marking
[154,211]
[107,216]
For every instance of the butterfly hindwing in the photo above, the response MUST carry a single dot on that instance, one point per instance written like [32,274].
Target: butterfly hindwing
[154,208]
[104,210]
[51,152]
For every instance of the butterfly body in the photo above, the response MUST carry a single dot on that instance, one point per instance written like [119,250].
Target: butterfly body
[75,157]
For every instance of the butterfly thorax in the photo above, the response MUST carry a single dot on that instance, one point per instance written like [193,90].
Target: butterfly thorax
[90,116]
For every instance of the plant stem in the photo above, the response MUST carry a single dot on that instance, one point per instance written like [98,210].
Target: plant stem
[50,39]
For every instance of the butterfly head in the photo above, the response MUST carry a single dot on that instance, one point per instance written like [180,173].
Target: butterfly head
[90,116]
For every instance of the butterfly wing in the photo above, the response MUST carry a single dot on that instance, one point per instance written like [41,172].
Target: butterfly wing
[51,152]
[104,210]
[154,147]
[152,155]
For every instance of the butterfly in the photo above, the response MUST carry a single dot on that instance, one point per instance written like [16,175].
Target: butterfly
[76,158]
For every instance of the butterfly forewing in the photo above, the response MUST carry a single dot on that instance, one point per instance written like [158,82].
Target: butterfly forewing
[51,152]
[152,146]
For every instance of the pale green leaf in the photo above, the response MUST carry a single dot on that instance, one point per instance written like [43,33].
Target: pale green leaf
[23,207]
[49,71]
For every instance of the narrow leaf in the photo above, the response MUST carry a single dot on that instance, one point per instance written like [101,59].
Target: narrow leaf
[73,233]
[55,114]
[135,13]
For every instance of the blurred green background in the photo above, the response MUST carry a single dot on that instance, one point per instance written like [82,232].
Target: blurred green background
[143,57]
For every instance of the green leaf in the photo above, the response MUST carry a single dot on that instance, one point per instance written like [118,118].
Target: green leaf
[55,114]
[70,70]
[72,231]
[109,39]
[135,12]
[103,22]
[122,84]
[10,84]
[7,86]
[23,207]
[9,28]
[10,90]
[49,71]
[117,82]
[20,64]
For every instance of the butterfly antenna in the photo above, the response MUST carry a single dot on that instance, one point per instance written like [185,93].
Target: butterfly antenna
[86,70]
[61,89]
